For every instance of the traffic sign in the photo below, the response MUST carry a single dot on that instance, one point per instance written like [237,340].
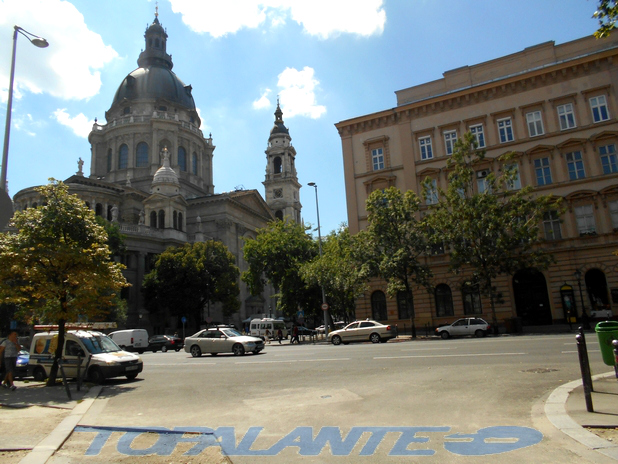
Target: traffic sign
[324,306]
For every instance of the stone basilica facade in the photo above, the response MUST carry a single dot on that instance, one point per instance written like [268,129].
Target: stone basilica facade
[151,174]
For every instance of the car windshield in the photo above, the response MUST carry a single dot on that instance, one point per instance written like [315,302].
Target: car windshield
[98,344]
[231,333]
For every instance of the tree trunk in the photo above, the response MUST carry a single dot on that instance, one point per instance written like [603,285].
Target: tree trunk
[53,373]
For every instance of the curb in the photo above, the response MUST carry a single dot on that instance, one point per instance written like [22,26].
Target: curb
[50,444]
[555,411]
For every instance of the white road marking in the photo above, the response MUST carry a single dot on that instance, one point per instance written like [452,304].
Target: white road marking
[293,361]
[451,355]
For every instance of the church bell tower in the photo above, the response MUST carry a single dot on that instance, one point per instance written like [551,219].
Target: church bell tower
[281,182]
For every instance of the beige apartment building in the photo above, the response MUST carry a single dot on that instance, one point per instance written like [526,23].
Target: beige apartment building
[555,107]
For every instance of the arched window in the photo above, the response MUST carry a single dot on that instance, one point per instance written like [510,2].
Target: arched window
[378,306]
[153,219]
[98,209]
[141,155]
[194,163]
[109,212]
[161,219]
[175,220]
[444,300]
[123,157]
[157,43]
[180,221]
[277,165]
[279,214]
[471,298]
[182,159]
[405,306]
[109,160]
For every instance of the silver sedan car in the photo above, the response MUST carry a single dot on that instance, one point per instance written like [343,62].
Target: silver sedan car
[363,331]
[222,340]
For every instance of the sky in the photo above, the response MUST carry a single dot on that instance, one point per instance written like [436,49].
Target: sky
[326,60]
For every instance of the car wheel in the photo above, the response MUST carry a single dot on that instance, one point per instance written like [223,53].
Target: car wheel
[177,350]
[195,351]
[39,374]
[154,351]
[444,334]
[374,338]
[164,349]
[336,340]
[131,376]
[479,333]
[256,352]
[95,375]
[238,349]
[140,352]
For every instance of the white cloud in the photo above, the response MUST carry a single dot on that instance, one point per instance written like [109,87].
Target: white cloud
[323,18]
[297,93]
[68,68]
[262,102]
[80,124]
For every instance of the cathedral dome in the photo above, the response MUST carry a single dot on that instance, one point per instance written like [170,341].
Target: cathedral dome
[154,78]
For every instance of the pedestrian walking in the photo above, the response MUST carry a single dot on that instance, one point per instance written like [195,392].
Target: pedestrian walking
[294,335]
[279,335]
[267,336]
[8,352]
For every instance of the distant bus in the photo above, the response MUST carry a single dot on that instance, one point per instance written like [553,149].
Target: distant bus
[260,326]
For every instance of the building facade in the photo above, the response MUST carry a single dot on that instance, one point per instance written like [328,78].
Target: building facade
[555,107]
[151,174]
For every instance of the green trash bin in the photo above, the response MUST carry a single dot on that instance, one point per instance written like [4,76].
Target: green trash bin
[607,331]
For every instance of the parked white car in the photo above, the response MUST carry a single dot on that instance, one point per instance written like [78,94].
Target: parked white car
[222,340]
[465,326]
[363,331]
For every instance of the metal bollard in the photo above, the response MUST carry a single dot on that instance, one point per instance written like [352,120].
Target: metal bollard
[615,343]
[584,365]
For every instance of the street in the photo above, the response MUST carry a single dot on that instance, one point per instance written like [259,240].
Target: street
[393,402]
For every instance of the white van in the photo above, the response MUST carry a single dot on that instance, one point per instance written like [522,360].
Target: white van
[94,350]
[131,339]
[259,327]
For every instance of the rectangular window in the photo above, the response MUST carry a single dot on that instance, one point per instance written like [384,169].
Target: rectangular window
[481,181]
[598,105]
[613,211]
[515,183]
[551,225]
[505,129]
[479,136]
[609,160]
[584,215]
[449,141]
[432,193]
[377,158]
[535,123]
[542,171]
[566,116]
[426,151]
[575,165]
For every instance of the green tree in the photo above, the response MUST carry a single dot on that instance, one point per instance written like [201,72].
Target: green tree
[489,233]
[57,268]
[276,255]
[186,279]
[338,272]
[394,244]
[607,14]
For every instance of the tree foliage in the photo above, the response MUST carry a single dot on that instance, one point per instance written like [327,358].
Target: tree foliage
[338,273]
[394,243]
[185,279]
[492,233]
[57,267]
[276,256]
[607,14]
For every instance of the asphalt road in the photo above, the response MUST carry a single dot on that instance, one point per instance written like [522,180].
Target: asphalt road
[462,400]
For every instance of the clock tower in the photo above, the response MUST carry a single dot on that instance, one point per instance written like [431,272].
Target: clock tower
[281,182]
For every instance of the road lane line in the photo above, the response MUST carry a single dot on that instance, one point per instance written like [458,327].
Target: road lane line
[293,361]
[451,355]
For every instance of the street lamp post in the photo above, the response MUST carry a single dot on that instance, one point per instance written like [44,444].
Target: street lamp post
[38,42]
[324,304]
[585,321]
